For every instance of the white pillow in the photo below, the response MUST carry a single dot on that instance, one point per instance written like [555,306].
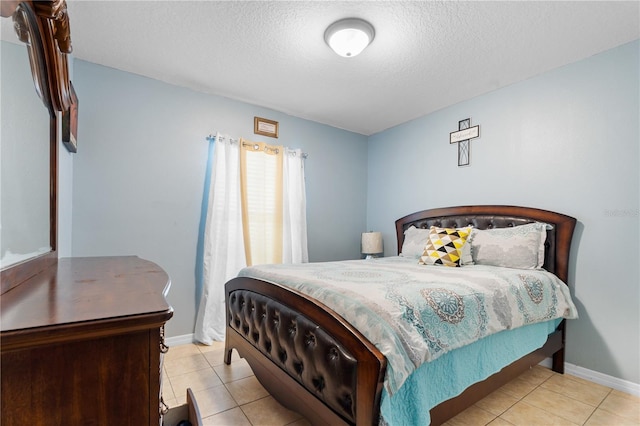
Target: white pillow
[415,240]
[519,247]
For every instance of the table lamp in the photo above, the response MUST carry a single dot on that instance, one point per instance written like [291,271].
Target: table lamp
[371,244]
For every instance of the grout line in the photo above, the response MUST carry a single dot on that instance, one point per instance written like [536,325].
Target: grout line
[228,409]
[572,398]
[603,399]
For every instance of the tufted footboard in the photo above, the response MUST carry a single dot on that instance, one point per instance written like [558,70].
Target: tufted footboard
[303,353]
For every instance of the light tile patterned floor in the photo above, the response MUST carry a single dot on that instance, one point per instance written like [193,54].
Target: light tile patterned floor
[231,395]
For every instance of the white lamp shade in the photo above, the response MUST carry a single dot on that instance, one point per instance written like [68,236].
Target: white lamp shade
[349,37]
[372,243]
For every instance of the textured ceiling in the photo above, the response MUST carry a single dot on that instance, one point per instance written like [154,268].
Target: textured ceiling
[425,55]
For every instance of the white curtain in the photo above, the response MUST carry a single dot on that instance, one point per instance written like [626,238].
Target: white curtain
[223,243]
[223,251]
[294,212]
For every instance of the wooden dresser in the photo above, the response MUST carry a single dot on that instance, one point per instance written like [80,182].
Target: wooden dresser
[81,344]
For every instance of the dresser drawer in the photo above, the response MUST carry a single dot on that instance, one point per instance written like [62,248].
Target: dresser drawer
[188,412]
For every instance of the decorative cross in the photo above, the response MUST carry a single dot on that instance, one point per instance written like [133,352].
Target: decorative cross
[462,137]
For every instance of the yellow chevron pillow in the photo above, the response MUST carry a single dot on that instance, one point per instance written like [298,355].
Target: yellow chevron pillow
[444,246]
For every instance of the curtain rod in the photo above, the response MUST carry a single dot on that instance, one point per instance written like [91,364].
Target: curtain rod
[211,136]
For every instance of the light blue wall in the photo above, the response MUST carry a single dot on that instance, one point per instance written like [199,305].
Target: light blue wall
[567,141]
[139,172]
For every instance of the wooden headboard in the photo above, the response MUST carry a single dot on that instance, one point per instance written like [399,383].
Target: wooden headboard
[558,240]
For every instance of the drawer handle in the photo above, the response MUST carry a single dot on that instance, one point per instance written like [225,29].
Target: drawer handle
[164,408]
[163,347]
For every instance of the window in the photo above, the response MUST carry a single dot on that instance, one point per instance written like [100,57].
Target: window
[261,187]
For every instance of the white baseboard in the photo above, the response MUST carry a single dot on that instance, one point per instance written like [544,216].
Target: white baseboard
[179,340]
[599,378]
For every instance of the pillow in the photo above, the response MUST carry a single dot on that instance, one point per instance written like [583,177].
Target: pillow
[415,240]
[519,247]
[444,246]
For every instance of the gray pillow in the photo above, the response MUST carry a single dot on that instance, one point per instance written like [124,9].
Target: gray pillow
[519,247]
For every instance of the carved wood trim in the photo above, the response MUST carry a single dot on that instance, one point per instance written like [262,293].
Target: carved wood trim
[54,22]
[27,28]
[44,27]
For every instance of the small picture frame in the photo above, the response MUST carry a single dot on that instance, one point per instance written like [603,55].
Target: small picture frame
[264,127]
[70,123]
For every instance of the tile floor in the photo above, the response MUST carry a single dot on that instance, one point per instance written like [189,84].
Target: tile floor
[231,395]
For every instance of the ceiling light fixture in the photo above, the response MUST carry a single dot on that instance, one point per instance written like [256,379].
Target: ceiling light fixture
[348,37]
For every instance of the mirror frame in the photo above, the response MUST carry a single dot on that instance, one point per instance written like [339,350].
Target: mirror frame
[44,27]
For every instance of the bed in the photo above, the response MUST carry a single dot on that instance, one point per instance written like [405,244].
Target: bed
[315,362]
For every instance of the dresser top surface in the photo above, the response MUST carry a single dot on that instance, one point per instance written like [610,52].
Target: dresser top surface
[85,289]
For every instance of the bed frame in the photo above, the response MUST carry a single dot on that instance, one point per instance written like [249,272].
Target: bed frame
[314,362]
